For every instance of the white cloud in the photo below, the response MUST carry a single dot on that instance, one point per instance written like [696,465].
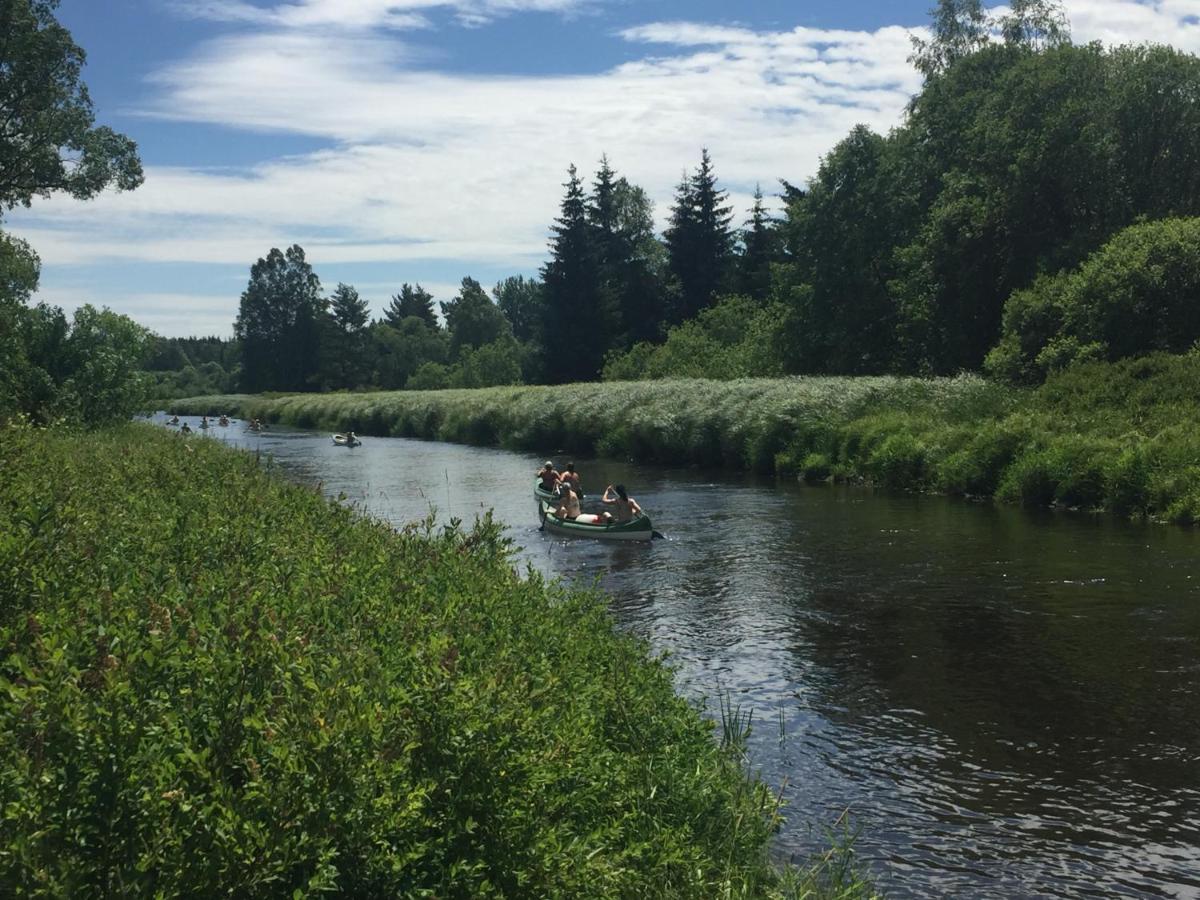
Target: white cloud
[425,165]
[363,14]
[430,170]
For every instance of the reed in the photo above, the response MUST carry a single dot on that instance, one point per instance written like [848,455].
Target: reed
[1119,437]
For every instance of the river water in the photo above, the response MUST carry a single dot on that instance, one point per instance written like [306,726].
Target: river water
[1006,703]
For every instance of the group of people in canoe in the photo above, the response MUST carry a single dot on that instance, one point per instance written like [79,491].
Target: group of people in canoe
[567,490]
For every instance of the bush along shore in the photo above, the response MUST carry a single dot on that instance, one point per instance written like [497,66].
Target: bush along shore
[1120,437]
[213,682]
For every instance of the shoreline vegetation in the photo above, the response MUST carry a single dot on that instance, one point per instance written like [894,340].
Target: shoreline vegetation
[1117,437]
[219,682]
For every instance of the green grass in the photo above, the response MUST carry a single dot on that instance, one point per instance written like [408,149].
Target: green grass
[1121,437]
[213,682]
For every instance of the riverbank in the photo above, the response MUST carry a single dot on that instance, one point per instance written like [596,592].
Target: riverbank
[1117,437]
[219,682]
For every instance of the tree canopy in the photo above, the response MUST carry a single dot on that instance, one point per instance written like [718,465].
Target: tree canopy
[278,322]
[50,141]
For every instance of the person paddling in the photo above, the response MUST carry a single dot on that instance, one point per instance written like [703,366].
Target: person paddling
[626,507]
[548,475]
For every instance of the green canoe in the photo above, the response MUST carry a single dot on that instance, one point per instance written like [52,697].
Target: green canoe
[637,529]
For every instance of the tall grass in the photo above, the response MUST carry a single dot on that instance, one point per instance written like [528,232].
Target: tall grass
[216,683]
[1120,437]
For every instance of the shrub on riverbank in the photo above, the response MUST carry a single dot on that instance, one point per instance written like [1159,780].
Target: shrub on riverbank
[213,682]
[1118,436]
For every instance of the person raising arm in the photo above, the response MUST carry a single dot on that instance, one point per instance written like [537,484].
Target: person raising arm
[627,508]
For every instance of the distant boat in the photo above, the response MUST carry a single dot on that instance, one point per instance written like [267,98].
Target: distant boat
[346,440]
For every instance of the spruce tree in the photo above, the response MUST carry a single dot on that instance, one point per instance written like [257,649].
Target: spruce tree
[699,241]
[349,311]
[578,309]
[760,249]
[411,301]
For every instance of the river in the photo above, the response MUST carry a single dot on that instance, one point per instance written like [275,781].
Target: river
[1005,703]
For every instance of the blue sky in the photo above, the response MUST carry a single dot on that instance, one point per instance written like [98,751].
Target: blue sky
[425,140]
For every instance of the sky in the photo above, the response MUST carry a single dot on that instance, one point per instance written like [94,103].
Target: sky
[426,140]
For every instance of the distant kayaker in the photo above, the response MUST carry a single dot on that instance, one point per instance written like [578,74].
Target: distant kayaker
[626,507]
[548,475]
[185,429]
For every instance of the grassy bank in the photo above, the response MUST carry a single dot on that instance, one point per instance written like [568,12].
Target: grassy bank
[1120,437]
[216,683]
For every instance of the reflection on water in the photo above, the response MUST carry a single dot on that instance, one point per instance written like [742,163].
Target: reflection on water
[1007,703]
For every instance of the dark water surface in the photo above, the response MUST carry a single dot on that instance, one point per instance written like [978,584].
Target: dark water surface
[1007,703]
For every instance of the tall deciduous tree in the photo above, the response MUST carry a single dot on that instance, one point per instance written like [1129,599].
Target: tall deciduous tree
[959,28]
[413,300]
[520,299]
[579,310]
[278,323]
[472,318]
[699,240]
[48,138]
[842,233]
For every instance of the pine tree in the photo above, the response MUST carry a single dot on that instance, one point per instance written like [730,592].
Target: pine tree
[411,301]
[579,315]
[699,241]
[760,248]
[349,311]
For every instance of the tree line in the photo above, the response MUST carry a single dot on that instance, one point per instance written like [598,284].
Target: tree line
[610,282]
[1034,201]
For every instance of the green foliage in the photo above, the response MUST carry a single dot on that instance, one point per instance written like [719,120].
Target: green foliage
[699,241]
[411,301]
[736,338]
[520,299]
[1120,436]
[50,141]
[473,319]
[842,234]
[1136,295]
[87,371]
[276,698]
[496,363]
[429,376]
[399,350]
[579,306]
[1018,159]
[279,323]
